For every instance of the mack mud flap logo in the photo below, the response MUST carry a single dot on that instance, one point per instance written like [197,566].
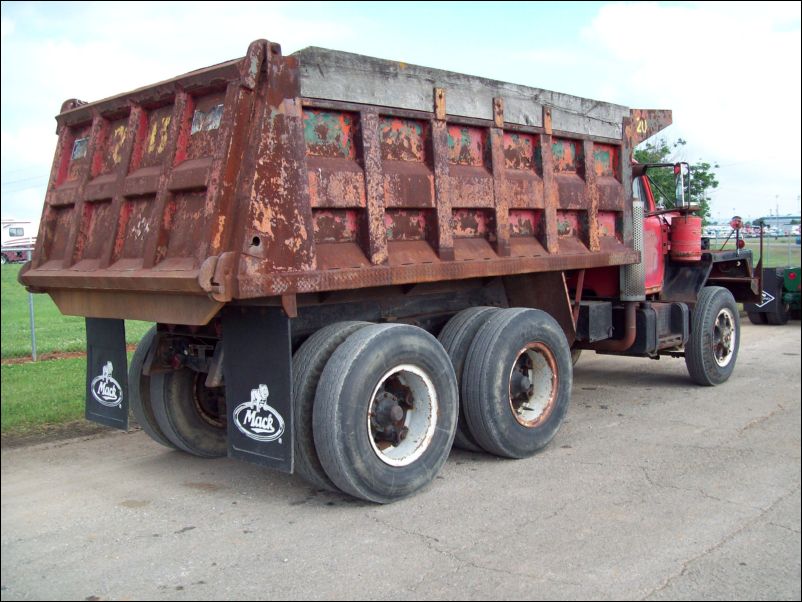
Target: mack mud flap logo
[105,389]
[257,420]
[766,299]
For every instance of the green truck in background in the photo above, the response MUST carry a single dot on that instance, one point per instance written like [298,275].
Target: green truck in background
[781,297]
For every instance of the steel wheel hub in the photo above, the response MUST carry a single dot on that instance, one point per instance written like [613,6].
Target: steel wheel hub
[724,337]
[533,385]
[402,415]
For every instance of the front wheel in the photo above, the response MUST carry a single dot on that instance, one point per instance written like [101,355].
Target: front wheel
[712,348]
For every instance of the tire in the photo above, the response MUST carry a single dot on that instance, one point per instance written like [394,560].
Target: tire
[456,339]
[185,416]
[712,347]
[497,417]
[780,315]
[307,366]
[139,390]
[362,372]
[575,355]
[3,259]
[758,318]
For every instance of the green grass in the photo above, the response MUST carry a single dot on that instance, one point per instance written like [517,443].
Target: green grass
[780,252]
[54,331]
[38,393]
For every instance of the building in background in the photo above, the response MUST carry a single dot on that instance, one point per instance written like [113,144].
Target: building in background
[784,224]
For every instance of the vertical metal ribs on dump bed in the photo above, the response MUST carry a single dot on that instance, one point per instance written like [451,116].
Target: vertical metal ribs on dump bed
[231,183]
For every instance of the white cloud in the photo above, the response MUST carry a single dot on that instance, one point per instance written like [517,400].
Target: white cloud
[731,74]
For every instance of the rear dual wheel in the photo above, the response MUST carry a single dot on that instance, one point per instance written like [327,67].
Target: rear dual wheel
[517,382]
[456,338]
[307,365]
[139,389]
[385,412]
[177,409]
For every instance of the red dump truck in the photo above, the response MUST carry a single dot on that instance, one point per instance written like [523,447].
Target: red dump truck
[355,263]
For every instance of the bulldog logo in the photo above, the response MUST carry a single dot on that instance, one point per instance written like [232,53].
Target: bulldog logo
[105,389]
[256,419]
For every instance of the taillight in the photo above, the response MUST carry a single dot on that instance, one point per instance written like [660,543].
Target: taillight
[741,243]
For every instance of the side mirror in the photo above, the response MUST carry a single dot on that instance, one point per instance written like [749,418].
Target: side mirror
[680,171]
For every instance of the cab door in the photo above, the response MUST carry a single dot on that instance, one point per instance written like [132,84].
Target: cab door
[655,238]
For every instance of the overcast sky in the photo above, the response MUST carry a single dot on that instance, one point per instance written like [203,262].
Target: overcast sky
[730,71]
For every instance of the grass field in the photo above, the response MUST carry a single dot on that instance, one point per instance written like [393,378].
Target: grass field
[42,393]
[34,394]
[54,332]
[779,252]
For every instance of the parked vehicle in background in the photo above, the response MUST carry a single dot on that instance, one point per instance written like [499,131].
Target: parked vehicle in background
[354,263]
[18,237]
[781,297]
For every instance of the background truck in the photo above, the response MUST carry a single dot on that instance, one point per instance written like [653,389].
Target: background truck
[353,262]
[781,298]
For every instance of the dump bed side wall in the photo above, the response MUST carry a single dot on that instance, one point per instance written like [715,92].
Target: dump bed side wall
[228,184]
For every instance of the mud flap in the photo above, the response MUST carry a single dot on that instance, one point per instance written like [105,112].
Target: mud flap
[106,372]
[772,293]
[257,368]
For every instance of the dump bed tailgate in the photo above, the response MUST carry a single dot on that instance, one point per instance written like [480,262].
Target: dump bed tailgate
[232,183]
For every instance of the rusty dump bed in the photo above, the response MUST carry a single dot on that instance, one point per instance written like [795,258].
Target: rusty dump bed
[271,176]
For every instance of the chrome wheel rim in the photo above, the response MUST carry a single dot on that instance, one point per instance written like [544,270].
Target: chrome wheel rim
[724,337]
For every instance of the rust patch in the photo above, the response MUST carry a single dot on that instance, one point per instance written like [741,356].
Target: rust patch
[605,160]
[474,223]
[525,222]
[407,224]
[403,139]
[77,158]
[468,146]
[329,133]
[408,188]
[336,225]
[568,155]
[471,190]
[332,187]
[205,125]
[522,152]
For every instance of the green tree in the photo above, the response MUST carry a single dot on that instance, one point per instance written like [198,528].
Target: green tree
[703,177]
